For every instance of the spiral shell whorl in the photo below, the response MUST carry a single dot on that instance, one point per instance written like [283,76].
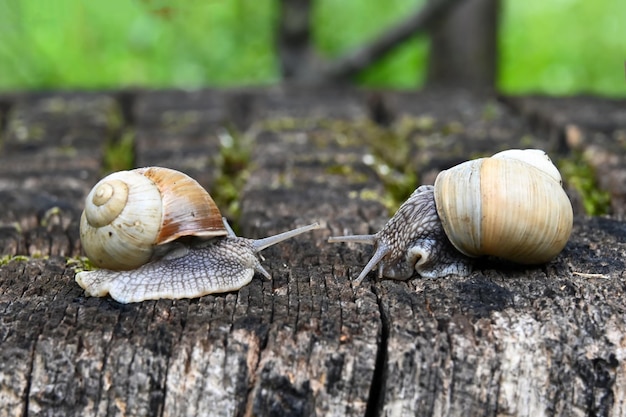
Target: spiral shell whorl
[121,221]
[107,202]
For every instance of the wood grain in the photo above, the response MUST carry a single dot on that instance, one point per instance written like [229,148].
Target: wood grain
[505,341]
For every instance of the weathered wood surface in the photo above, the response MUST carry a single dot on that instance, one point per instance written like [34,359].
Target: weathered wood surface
[505,341]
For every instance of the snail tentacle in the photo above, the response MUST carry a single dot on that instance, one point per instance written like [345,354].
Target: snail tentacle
[260,244]
[382,250]
[229,229]
[367,239]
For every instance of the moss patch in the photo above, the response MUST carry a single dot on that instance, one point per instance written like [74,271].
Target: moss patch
[6,259]
[390,149]
[581,176]
[233,161]
[79,264]
[119,154]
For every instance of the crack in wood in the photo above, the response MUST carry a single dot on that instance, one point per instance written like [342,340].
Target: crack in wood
[376,394]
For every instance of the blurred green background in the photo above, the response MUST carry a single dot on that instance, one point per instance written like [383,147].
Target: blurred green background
[546,46]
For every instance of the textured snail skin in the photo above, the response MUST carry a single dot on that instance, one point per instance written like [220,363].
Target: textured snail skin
[188,270]
[412,240]
[430,252]
[218,265]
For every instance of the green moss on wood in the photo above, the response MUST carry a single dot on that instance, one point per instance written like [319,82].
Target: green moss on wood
[79,264]
[390,149]
[119,153]
[233,161]
[582,177]
[6,259]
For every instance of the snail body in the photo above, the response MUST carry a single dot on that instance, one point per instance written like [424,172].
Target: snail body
[158,234]
[511,206]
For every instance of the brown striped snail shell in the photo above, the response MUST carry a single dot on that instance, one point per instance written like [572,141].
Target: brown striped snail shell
[129,213]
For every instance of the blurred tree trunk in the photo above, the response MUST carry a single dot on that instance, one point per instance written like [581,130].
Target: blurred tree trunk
[464,47]
[295,50]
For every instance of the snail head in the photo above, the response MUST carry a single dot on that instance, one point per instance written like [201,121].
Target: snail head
[413,240]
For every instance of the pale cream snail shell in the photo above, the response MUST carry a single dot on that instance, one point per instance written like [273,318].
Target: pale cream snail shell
[158,234]
[510,206]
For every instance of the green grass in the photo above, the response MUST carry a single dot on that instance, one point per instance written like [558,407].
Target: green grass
[563,46]
[556,46]
[95,44]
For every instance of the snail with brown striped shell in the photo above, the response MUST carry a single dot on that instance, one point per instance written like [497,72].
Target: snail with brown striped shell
[511,205]
[159,234]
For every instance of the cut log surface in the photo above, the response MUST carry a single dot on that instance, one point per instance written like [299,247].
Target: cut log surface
[508,340]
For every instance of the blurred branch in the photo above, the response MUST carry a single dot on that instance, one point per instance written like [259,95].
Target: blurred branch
[357,60]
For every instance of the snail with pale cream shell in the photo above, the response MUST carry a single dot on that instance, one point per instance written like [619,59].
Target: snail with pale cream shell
[158,234]
[511,206]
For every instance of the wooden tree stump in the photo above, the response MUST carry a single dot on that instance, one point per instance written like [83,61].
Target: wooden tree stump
[507,340]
